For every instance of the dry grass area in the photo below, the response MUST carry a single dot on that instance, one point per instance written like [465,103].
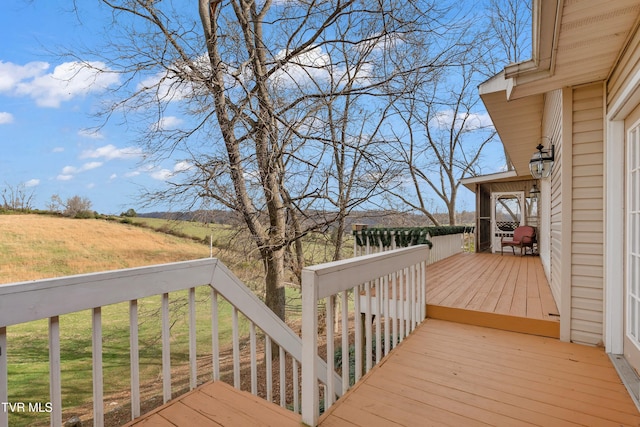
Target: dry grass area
[37,247]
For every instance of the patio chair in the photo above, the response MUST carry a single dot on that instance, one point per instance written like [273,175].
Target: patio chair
[523,237]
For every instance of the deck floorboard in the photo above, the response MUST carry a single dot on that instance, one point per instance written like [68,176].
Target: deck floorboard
[218,404]
[481,289]
[454,374]
[444,374]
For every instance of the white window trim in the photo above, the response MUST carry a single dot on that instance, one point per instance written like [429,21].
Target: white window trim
[629,256]
[614,229]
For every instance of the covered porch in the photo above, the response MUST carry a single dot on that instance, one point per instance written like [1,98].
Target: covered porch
[492,290]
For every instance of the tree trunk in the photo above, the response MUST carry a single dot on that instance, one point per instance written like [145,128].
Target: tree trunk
[274,281]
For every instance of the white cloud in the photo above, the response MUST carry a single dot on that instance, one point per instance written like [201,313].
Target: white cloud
[161,174]
[182,166]
[90,133]
[315,65]
[165,87]
[68,170]
[164,174]
[64,177]
[110,152]
[113,176]
[58,150]
[72,170]
[12,74]
[90,165]
[32,183]
[5,118]
[168,122]
[472,121]
[67,81]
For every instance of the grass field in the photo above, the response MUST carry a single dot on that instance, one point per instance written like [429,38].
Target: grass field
[36,246]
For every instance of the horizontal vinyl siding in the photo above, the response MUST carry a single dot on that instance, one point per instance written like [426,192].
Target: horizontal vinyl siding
[553,127]
[587,203]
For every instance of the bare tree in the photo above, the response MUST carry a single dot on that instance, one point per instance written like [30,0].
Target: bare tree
[55,204]
[445,131]
[77,207]
[257,86]
[446,127]
[510,25]
[17,197]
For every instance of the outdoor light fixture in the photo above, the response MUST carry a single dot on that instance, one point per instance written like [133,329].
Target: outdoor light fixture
[541,163]
[534,192]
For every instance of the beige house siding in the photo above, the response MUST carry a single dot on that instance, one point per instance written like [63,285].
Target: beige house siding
[550,233]
[625,71]
[587,203]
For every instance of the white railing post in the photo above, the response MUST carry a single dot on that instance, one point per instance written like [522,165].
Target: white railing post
[345,341]
[254,366]
[134,357]
[166,349]
[98,398]
[215,347]
[55,388]
[193,353]
[310,393]
[283,387]
[328,398]
[4,384]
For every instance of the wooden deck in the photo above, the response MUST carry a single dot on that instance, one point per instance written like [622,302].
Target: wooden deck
[483,368]
[451,374]
[444,374]
[218,404]
[498,291]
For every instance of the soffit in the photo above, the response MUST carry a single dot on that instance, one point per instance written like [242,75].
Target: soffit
[507,178]
[518,123]
[589,38]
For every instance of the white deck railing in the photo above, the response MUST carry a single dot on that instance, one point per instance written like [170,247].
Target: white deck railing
[49,299]
[382,300]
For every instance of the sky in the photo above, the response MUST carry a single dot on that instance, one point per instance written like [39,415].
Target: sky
[49,144]
[48,138]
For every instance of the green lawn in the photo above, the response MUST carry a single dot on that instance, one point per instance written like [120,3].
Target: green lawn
[28,355]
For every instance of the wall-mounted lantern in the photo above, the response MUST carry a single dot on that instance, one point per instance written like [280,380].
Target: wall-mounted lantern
[534,193]
[541,162]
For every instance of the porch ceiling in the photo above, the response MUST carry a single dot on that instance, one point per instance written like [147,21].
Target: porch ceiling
[518,123]
[574,42]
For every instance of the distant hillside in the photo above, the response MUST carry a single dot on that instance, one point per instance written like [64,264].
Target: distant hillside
[39,246]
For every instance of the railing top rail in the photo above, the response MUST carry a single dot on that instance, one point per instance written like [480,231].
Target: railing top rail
[341,275]
[34,300]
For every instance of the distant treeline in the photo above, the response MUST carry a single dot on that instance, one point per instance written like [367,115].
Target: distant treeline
[376,218]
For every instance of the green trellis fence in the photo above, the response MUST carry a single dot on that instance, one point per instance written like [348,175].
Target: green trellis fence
[444,241]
